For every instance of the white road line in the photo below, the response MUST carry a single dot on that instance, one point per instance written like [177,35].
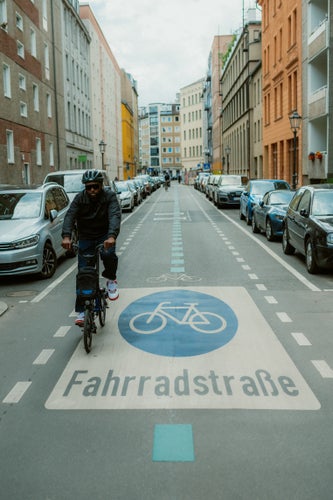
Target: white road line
[284,317]
[288,267]
[324,369]
[62,331]
[301,339]
[246,267]
[55,283]
[240,259]
[253,276]
[261,287]
[17,392]
[43,357]
[270,299]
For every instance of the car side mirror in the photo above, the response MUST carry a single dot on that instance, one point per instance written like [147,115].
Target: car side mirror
[53,214]
[261,203]
[304,212]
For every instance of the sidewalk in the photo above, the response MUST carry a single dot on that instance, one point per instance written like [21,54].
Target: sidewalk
[3,308]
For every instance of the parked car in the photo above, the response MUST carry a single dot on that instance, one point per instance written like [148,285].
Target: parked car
[228,190]
[253,193]
[308,226]
[31,221]
[211,183]
[146,181]
[71,180]
[197,180]
[137,192]
[126,195]
[268,215]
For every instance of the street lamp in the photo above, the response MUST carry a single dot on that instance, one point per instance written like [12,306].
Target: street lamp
[295,123]
[227,152]
[102,147]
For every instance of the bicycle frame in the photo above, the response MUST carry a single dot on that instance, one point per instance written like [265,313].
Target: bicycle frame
[161,309]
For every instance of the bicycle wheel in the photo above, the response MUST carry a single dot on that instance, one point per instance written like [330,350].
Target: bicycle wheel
[207,322]
[102,308]
[88,329]
[146,323]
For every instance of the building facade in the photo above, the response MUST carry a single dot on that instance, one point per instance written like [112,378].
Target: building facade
[130,126]
[241,104]
[32,124]
[191,119]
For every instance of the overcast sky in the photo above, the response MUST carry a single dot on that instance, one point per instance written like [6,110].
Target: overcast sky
[165,44]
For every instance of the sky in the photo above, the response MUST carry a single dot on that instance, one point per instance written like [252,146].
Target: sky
[165,45]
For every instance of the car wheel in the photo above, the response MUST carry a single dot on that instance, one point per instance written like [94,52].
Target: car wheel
[241,216]
[310,259]
[49,262]
[269,231]
[288,249]
[255,228]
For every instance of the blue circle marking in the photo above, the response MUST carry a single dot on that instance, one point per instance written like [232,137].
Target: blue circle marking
[178,323]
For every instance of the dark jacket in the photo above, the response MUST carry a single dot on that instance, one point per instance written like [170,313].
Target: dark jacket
[94,218]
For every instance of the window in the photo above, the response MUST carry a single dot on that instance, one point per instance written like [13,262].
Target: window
[22,82]
[35,94]
[38,151]
[20,49]
[6,81]
[47,61]
[23,109]
[3,13]
[10,146]
[19,21]
[51,154]
[33,43]
[49,105]
[44,14]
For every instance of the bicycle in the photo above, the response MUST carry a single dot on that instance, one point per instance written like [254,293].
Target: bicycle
[95,296]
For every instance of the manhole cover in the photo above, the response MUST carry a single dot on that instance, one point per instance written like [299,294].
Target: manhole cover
[21,293]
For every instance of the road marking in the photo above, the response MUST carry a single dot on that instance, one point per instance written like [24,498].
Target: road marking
[324,369]
[43,357]
[270,299]
[18,391]
[301,339]
[261,287]
[246,267]
[173,443]
[253,276]
[284,317]
[63,330]
[55,283]
[250,371]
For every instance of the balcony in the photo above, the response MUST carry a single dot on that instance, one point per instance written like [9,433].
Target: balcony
[319,39]
[317,169]
[318,103]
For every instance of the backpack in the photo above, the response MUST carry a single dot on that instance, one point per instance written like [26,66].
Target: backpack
[87,283]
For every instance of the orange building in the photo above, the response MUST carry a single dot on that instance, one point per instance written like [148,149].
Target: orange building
[282,88]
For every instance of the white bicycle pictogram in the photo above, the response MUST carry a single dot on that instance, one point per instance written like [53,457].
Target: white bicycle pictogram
[155,321]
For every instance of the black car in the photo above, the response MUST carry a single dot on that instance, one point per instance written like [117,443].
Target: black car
[228,190]
[308,226]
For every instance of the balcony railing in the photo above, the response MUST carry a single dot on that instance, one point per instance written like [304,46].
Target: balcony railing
[319,39]
[318,103]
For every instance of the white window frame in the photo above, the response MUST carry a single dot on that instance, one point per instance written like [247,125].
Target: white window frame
[22,82]
[44,14]
[51,154]
[49,105]
[3,13]
[10,146]
[33,42]
[38,151]
[47,61]
[20,49]
[35,93]
[7,91]
[23,109]
[19,21]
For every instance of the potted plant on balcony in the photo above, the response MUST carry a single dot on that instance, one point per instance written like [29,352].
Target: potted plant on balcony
[319,155]
[312,156]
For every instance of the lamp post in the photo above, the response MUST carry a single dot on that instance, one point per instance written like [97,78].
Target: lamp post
[227,152]
[295,123]
[102,147]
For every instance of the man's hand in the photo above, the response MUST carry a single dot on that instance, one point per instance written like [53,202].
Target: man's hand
[110,242]
[66,243]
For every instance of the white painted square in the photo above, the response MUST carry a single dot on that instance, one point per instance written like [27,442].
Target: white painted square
[252,371]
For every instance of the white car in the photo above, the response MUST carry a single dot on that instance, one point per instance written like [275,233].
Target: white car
[126,195]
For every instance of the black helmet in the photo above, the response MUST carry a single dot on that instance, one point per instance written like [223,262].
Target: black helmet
[92,176]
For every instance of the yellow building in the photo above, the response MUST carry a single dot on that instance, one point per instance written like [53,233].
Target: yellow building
[130,129]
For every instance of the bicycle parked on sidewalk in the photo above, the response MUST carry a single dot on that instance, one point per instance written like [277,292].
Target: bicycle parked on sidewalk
[95,297]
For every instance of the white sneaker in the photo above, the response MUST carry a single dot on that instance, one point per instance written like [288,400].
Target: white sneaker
[80,319]
[112,287]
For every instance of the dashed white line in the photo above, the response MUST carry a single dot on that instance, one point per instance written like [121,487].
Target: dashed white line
[261,287]
[284,317]
[270,299]
[253,276]
[301,339]
[62,331]
[323,368]
[43,357]
[17,392]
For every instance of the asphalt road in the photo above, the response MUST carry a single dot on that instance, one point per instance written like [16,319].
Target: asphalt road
[212,377]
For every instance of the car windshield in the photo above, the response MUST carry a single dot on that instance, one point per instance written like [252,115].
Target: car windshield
[322,203]
[262,187]
[281,197]
[121,188]
[20,205]
[71,182]
[231,180]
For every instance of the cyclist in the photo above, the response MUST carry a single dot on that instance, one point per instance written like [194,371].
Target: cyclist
[97,215]
[167,180]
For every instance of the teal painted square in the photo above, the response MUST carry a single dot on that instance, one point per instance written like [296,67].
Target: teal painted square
[173,443]
[177,269]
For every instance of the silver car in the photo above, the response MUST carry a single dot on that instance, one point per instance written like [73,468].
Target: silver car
[31,221]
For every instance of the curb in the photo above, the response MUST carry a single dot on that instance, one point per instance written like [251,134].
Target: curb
[3,308]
